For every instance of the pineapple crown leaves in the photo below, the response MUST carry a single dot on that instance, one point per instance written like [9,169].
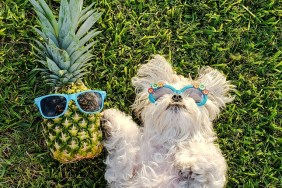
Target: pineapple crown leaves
[65,52]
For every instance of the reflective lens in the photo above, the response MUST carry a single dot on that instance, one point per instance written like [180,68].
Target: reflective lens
[161,92]
[90,101]
[52,106]
[195,94]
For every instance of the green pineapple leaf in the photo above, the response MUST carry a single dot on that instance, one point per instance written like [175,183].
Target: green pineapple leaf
[82,60]
[65,22]
[40,33]
[47,28]
[85,16]
[39,53]
[52,66]
[78,53]
[75,66]
[89,36]
[44,63]
[66,50]
[53,76]
[59,56]
[49,14]
[36,6]
[72,47]
[86,26]
[40,45]
[84,11]
[75,10]
[42,71]
[70,38]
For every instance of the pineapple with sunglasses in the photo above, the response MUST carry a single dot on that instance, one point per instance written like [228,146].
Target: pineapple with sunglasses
[71,123]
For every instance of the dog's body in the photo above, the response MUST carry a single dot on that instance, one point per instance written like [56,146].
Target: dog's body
[175,146]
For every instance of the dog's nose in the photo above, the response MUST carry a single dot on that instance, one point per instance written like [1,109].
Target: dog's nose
[177,98]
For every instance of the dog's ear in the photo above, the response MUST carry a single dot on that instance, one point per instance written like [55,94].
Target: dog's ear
[217,85]
[157,69]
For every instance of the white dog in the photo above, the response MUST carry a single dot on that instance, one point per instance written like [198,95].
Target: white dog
[175,145]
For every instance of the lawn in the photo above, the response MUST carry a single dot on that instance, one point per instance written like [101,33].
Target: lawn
[241,38]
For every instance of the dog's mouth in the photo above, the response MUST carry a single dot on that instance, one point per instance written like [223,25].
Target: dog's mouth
[175,106]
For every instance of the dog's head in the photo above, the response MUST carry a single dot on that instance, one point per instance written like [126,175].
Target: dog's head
[174,106]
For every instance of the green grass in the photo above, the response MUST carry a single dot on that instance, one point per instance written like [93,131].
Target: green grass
[242,38]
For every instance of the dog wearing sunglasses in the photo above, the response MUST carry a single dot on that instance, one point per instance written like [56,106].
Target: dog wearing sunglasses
[175,146]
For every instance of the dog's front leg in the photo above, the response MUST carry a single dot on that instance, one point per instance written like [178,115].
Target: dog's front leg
[201,165]
[122,145]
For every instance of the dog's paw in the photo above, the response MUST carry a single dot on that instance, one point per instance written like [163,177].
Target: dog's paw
[111,120]
[201,164]
[108,120]
[186,168]
[191,173]
[185,174]
[191,168]
[109,114]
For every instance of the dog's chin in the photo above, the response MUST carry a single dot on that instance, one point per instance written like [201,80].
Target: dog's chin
[176,107]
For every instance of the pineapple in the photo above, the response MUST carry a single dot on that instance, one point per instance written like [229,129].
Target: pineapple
[65,55]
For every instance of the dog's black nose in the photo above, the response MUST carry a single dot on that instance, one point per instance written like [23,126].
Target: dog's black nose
[177,98]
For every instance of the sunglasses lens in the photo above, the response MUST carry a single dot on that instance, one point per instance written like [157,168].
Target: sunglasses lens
[194,94]
[161,92]
[52,106]
[90,101]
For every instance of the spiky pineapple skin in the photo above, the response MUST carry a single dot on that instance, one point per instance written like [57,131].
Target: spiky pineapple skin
[75,135]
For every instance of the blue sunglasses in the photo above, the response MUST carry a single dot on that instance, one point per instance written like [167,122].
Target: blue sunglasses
[55,105]
[197,92]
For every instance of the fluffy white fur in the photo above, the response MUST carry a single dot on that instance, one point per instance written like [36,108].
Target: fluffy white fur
[173,147]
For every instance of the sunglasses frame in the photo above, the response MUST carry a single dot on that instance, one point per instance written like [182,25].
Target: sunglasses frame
[70,97]
[152,99]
